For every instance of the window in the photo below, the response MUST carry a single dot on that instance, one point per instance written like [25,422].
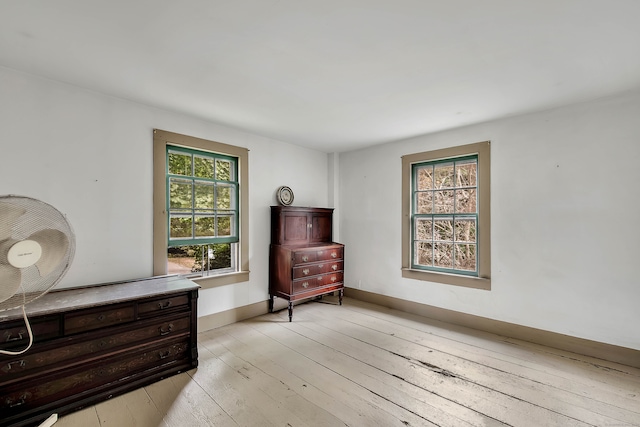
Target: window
[201,209]
[202,203]
[446,217]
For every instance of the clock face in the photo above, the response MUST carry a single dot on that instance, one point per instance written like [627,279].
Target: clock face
[285,196]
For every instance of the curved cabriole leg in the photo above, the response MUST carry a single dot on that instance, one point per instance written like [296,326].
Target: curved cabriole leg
[290,311]
[340,295]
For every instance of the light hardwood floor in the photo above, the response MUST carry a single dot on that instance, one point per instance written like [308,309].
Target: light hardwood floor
[364,365]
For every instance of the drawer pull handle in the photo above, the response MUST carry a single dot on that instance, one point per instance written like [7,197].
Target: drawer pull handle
[101,317]
[9,366]
[21,401]
[164,305]
[305,258]
[164,355]
[334,255]
[334,278]
[305,285]
[334,267]
[18,338]
[305,271]
[166,331]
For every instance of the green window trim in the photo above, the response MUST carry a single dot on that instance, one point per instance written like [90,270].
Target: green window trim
[453,217]
[214,216]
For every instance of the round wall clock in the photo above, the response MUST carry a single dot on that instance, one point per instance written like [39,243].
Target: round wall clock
[285,195]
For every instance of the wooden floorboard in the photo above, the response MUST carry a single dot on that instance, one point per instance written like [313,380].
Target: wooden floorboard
[364,365]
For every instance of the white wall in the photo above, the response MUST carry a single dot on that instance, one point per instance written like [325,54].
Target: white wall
[90,156]
[564,202]
[565,224]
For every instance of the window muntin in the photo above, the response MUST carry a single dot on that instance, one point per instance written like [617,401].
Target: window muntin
[444,216]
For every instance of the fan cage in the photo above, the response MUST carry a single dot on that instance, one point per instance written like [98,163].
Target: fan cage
[38,216]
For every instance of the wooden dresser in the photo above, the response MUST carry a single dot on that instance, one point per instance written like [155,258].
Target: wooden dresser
[303,261]
[94,343]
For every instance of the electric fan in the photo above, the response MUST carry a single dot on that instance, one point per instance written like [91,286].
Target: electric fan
[36,249]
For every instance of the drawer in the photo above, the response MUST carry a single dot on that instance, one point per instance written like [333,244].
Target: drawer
[14,334]
[162,305]
[45,390]
[317,268]
[315,255]
[87,320]
[119,340]
[304,285]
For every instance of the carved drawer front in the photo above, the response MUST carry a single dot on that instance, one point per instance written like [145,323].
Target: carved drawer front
[43,391]
[162,305]
[33,362]
[303,285]
[87,320]
[302,257]
[15,334]
[317,268]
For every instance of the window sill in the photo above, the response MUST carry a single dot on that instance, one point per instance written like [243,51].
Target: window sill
[209,282]
[448,279]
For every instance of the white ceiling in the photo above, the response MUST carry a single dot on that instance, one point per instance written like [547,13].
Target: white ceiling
[333,75]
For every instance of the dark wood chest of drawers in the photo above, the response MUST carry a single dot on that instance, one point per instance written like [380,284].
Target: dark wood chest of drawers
[93,343]
[303,260]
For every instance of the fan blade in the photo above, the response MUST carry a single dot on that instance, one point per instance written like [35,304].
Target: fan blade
[9,281]
[8,215]
[54,247]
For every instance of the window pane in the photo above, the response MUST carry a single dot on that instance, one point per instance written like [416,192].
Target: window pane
[466,174]
[204,195]
[205,226]
[220,256]
[224,226]
[423,254]
[443,255]
[223,170]
[424,180]
[466,201]
[191,259]
[443,175]
[179,194]
[425,202]
[180,227]
[203,167]
[465,230]
[443,230]
[444,202]
[223,196]
[181,260]
[179,164]
[465,257]
[424,229]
